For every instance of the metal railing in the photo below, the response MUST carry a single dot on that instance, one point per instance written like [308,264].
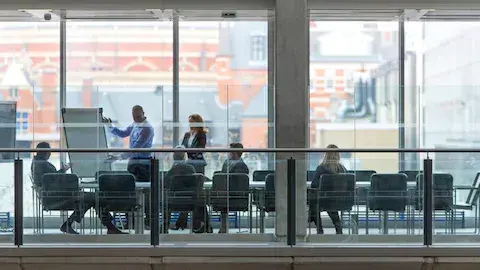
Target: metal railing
[291,188]
[245,150]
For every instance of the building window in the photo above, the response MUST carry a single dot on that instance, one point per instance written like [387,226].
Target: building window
[258,48]
[13,92]
[22,122]
[330,80]
[349,81]
[168,133]
[312,86]
[234,135]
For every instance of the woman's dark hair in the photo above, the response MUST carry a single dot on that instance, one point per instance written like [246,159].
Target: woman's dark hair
[43,145]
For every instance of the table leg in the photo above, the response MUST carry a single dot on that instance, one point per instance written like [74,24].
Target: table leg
[385,222]
[139,213]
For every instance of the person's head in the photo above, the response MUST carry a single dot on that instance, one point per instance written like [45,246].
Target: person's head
[43,155]
[196,122]
[331,160]
[138,114]
[234,155]
[179,156]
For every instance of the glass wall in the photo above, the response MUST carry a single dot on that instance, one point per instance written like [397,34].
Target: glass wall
[448,53]
[354,90]
[29,72]
[223,71]
[223,68]
[116,65]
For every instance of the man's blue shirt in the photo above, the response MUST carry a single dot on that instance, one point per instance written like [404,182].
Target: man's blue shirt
[141,136]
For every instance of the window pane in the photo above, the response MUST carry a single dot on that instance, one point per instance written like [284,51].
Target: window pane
[352,70]
[30,53]
[443,57]
[114,66]
[117,65]
[230,93]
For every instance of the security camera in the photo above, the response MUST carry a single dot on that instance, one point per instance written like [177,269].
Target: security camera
[47,16]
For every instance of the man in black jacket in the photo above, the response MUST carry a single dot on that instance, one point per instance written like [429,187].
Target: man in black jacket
[85,200]
[233,164]
[179,167]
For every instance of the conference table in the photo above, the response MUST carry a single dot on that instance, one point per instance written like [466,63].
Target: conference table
[254,185]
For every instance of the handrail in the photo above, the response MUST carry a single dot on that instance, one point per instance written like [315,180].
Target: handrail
[245,150]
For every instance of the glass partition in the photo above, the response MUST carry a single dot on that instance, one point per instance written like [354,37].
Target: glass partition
[447,52]
[29,72]
[223,69]
[238,202]
[354,87]
[378,204]
[116,65]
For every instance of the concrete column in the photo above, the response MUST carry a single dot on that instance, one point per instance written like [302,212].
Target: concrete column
[291,107]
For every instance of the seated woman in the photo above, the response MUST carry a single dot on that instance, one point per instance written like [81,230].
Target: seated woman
[330,165]
[41,166]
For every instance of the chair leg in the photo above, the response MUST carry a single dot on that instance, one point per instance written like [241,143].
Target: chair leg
[43,223]
[129,220]
[191,221]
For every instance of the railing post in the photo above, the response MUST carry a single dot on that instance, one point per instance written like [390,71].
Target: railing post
[427,202]
[291,202]
[18,202]
[154,202]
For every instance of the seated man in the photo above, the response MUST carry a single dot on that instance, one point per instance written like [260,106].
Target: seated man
[41,166]
[200,215]
[179,167]
[233,164]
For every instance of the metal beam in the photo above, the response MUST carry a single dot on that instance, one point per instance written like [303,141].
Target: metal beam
[271,90]
[176,80]
[237,5]
[139,5]
[401,92]
[290,150]
[62,95]
[380,5]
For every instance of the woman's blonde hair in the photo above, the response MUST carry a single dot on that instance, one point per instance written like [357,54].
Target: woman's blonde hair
[331,160]
[197,118]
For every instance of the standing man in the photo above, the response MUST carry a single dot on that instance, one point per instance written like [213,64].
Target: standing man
[141,136]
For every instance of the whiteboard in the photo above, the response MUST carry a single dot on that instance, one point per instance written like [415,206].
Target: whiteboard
[83,128]
[8,127]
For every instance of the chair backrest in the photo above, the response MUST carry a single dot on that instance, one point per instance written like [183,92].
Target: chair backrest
[261,175]
[442,191]
[474,193]
[230,192]
[411,174]
[270,193]
[184,191]
[57,188]
[336,192]
[310,175]
[117,191]
[388,192]
[116,182]
[362,176]
[60,182]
